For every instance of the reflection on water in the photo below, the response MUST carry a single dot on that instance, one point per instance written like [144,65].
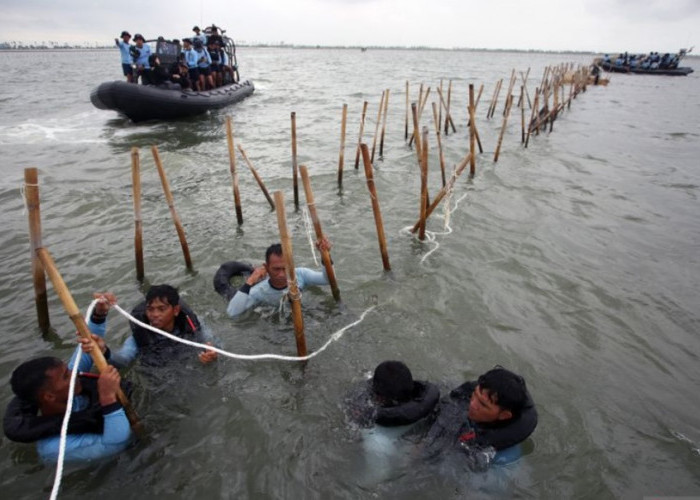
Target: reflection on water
[573,262]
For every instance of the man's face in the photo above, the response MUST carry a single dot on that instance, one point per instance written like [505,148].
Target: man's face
[483,410]
[161,314]
[139,43]
[57,385]
[275,267]
[126,38]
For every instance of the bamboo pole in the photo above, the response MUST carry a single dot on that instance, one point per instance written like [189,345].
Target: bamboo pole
[325,254]
[532,116]
[478,97]
[509,105]
[375,207]
[257,177]
[472,132]
[441,88]
[74,314]
[293,293]
[171,205]
[232,169]
[407,105]
[31,191]
[414,113]
[441,153]
[522,115]
[494,99]
[376,126]
[341,157]
[511,83]
[423,184]
[441,194]
[138,224]
[421,106]
[386,110]
[295,168]
[524,79]
[448,117]
[359,140]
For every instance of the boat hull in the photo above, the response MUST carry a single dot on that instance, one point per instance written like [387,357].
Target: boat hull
[149,102]
[683,71]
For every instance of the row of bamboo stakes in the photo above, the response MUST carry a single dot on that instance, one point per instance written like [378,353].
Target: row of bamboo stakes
[551,86]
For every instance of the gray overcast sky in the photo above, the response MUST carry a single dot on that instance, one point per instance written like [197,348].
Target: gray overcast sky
[591,25]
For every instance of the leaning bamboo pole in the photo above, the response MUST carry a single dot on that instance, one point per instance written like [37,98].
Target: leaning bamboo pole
[532,116]
[257,177]
[376,126]
[441,153]
[74,314]
[472,132]
[232,169]
[448,117]
[138,224]
[359,140]
[369,174]
[171,205]
[447,110]
[341,157]
[407,106]
[509,105]
[386,110]
[295,167]
[414,113]
[421,105]
[522,115]
[293,293]
[31,191]
[325,254]
[478,97]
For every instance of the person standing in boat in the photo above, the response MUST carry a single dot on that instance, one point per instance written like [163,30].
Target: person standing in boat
[267,284]
[141,53]
[215,54]
[198,35]
[124,47]
[204,65]
[98,426]
[191,62]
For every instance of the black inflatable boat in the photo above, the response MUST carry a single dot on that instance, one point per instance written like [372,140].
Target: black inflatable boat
[150,102]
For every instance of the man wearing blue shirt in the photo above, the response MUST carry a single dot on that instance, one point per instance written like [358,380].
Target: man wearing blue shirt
[191,61]
[98,425]
[267,284]
[198,35]
[126,56]
[140,55]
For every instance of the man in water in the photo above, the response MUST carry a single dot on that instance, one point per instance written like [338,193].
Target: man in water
[483,417]
[98,426]
[267,284]
[124,47]
[162,309]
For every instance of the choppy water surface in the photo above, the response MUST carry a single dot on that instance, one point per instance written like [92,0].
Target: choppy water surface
[574,262]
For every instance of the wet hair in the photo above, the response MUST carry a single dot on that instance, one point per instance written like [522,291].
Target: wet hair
[505,388]
[29,378]
[273,249]
[393,382]
[166,293]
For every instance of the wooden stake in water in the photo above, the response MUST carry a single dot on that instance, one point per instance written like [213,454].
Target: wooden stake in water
[138,224]
[509,105]
[74,314]
[532,116]
[478,97]
[522,115]
[386,110]
[325,254]
[441,153]
[293,293]
[31,192]
[376,126]
[369,174]
[341,157]
[472,132]
[257,177]
[295,168]
[448,116]
[171,204]
[359,140]
[232,168]
[423,184]
[406,124]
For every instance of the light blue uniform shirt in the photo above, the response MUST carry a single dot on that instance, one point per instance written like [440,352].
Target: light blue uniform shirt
[124,50]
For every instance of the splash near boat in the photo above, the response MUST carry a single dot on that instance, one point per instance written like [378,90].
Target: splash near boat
[178,78]
[646,64]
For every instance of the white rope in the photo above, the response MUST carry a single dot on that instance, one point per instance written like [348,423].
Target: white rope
[337,335]
[307,224]
[69,409]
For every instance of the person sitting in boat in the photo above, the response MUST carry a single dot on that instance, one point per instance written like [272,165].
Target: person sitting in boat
[124,47]
[140,53]
[215,54]
[214,35]
[229,74]
[179,73]
[203,65]
[485,418]
[198,35]
[163,310]
[620,61]
[606,59]
[160,75]
[191,61]
[98,426]
[267,284]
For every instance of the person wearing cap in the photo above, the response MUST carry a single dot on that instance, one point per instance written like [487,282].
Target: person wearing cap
[198,35]
[141,55]
[124,47]
[191,62]
[216,56]
[203,64]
